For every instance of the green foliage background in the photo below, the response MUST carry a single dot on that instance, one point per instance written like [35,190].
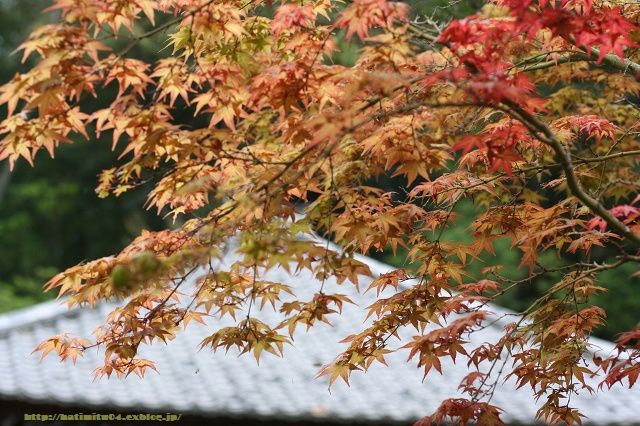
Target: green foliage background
[51,218]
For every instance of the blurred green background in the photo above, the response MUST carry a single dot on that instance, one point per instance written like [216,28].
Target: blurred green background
[51,218]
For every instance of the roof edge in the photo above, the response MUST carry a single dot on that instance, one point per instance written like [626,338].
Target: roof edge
[54,308]
[596,344]
[33,314]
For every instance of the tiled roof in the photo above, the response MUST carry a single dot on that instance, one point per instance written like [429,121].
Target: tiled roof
[219,384]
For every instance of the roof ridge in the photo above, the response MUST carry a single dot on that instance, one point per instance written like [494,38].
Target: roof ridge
[32,314]
[56,308]
[501,313]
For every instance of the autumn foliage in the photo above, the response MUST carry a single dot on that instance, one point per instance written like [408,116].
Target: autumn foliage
[528,109]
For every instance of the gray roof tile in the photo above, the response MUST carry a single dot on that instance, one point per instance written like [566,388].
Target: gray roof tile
[216,384]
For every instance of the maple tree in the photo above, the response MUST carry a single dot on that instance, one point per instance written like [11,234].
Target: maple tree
[528,109]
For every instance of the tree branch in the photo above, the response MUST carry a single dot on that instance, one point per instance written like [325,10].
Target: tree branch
[542,132]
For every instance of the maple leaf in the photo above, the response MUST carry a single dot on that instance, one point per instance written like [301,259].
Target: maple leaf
[362,15]
[288,16]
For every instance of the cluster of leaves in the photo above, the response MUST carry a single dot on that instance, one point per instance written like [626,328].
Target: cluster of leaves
[465,112]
